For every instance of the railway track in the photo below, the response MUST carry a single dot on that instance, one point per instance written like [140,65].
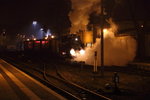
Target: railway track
[66,88]
[80,92]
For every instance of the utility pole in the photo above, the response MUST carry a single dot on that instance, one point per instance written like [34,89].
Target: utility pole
[102,39]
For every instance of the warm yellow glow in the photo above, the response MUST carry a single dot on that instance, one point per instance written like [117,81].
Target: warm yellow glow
[28,39]
[76,39]
[52,36]
[105,30]
[72,52]
[46,38]
[108,33]
[87,37]
[34,39]
[142,26]
[82,52]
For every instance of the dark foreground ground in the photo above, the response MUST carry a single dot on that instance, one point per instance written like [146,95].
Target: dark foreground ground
[132,86]
[134,83]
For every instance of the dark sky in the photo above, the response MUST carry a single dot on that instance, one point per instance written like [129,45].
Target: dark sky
[15,15]
[132,8]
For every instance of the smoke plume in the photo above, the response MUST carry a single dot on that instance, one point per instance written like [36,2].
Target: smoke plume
[81,9]
[118,51]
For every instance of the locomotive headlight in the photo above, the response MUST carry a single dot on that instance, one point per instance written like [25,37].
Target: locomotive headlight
[76,53]
[72,52]
[82,52]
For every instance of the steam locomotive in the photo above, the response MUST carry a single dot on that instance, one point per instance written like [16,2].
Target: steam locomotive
[61,45]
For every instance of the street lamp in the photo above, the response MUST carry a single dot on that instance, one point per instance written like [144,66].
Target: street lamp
[34,22]
[41,29]
[42,32]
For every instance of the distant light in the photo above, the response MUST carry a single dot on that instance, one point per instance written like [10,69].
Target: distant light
[41,29]
[105,30]
[52,36]
[46,38]
[28,39]
[142,26]
[76,39]
[24,36]
[82,52]
[48,35]
[34,22]
[34,39]
[63,53]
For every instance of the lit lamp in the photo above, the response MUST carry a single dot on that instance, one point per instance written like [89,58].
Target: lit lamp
[52,36]
[76,39]
[34,22]
[34,39]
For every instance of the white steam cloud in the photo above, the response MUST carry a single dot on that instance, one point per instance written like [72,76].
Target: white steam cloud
[81,9]
[118,51]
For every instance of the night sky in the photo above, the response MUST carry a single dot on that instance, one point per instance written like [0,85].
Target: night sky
[16,15]
[128,8]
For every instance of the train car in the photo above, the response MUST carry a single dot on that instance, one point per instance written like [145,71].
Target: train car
[61,46]
[46,45]
[35,44]
[68,42]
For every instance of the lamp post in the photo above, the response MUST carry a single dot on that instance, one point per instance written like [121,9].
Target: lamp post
[42,32]
[102,39]
[34,27]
